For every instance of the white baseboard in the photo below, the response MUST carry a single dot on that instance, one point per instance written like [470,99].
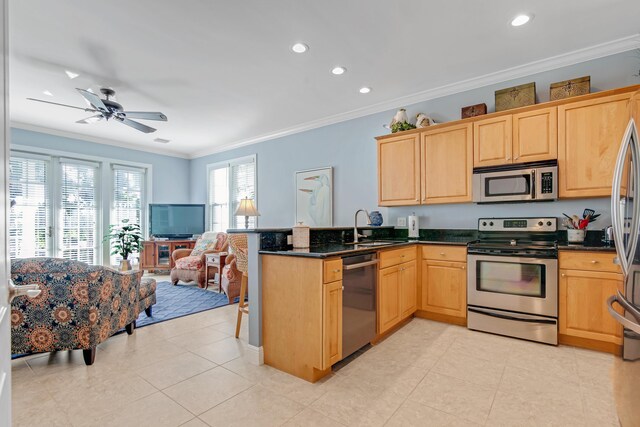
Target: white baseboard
[255,355]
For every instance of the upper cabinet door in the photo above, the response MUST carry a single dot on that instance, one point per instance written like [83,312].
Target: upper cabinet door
[589,135]
[399,170]
[535,135]
[447,164]
[492,141]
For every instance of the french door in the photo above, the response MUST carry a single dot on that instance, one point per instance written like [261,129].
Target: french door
[54,208]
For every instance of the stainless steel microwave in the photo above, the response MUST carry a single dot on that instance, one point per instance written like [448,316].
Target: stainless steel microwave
[516,183]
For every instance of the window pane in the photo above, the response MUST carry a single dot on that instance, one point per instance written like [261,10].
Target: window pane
[243,184]
[79,213]
[128,193]
[218,199]
[29,218]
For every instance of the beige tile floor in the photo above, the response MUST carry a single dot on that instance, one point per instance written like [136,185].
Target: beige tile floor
[191,371]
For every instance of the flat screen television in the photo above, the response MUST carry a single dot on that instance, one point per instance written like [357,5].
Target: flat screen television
[176,220]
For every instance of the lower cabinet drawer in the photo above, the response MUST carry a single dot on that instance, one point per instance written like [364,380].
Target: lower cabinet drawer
[397,256]
[444,253]
[588,260]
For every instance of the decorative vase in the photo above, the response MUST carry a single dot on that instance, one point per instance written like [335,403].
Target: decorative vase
[125,265]
[576,236]
[376,218]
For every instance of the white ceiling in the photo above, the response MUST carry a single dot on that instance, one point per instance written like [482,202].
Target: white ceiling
[224,74]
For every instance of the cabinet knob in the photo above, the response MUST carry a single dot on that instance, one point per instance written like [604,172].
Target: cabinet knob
[563,275]
[516,157]
[401,256]
[464,266]
[594,262]
[442,253]
[508,158]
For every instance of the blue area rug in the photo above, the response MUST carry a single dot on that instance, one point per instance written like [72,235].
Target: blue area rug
[180,300]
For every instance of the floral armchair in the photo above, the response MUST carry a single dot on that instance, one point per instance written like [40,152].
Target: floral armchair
[190,263]
[79,307]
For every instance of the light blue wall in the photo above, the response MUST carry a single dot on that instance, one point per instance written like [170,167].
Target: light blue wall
[350,148]
[170,174]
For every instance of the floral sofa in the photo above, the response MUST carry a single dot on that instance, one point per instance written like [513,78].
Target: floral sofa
[79,307]
[190,264]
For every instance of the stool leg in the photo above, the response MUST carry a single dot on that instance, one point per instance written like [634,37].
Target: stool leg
[241,303]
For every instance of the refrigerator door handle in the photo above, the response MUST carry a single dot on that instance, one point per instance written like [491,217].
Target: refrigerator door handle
[635,327]
[616,205]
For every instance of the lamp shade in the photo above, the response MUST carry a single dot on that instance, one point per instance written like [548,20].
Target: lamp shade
[247,208]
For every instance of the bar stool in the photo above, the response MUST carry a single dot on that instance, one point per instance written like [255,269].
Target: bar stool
[238,243]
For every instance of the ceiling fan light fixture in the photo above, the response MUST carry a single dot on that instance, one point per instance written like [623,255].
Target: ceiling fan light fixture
[300,48]
[521,19]
[71,74]
[46,92]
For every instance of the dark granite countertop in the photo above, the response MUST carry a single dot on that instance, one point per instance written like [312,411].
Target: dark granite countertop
[327,250]
[585,247]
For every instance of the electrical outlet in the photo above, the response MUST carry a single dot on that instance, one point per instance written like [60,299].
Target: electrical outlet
[402,221]
[289,239]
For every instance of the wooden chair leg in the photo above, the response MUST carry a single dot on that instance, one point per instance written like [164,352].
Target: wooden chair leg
[89,356]
[241,303]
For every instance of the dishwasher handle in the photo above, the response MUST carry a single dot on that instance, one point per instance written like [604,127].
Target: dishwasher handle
[360,265]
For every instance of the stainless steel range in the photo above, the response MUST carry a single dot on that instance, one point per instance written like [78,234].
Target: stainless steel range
[512,283]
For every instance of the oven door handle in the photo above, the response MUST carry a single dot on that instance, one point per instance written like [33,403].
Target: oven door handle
[519,319]
[533,184]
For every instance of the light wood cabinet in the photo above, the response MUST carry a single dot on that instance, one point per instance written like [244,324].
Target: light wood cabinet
[408,289]
[535,135]
[583,319]
[443,283]
[399,170]
[530,136]
[388,298]
[156,254]
[492,141]
[447,164]
[332,323]
[589,135]
[397,287]
[302,315]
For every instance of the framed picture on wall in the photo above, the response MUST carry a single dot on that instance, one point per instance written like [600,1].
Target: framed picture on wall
[314,197]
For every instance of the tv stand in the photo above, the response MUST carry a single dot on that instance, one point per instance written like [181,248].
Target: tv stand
[156,254]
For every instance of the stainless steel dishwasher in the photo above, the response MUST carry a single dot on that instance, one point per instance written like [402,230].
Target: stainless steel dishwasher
[359,277]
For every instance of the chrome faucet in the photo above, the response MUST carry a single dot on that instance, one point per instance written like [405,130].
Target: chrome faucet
[355,224]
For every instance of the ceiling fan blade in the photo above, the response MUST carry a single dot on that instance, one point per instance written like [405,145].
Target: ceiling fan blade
[136,125]
[93,100]
[145,115]
[63,105]
[92,119]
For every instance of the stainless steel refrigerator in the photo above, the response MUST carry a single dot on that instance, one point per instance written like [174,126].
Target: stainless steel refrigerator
[625,216]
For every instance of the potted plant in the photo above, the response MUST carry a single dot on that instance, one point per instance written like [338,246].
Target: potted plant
[125,239]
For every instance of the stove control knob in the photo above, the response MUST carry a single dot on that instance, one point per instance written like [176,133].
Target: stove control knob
[549,223]
[484,223]
[491,223]
[540,223]
[513,243]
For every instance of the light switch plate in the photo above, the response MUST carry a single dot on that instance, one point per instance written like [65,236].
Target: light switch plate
[402,221]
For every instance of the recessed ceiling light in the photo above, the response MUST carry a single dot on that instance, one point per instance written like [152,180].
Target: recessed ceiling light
[162,141]
[48,93]
[365,89]
[338,70]
[71,74]
[299,48]
[521,20]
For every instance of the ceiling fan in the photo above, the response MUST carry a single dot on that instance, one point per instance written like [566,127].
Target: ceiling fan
[107,109]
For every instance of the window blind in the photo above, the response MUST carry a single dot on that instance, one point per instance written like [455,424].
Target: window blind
[79,211]
[128,196]
[230,182]
[218,199]
[242,185]
[30,216]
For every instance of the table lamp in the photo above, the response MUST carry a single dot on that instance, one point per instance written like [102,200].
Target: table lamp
[247,208]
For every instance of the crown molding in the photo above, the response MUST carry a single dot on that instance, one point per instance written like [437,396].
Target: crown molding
[97,140]
[570,58]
